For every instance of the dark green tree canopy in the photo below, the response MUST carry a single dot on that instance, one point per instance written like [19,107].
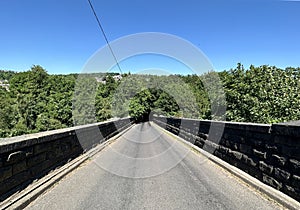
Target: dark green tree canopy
[37,101]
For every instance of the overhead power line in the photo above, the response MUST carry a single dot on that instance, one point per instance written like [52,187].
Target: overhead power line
[105,37]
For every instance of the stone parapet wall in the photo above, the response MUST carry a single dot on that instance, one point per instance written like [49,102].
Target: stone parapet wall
[270,153]
[26,158]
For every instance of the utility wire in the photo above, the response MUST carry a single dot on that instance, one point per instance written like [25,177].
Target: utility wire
[105,37]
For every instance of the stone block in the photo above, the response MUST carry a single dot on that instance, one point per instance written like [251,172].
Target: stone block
[14,181]
[286,130]
[294,192]
[51,155]
[250,161]
[236,155]
[203,135]
[246,149]
[218,154]
[295,180]
[278,160]
[260,154]
[265,137]
[223,149]
[36,159]
[294,165]
[259,128]
[29,151]
[5,173]
[16,157]
[19,167]
[281,174]
[40,148]
[292,152]
[235,138]
[265,167]
[258,143]
[210,146]
[287,140]
[271,148]
[227,143]
[272,182]
[235,146]
[39,168]
[255,172]
[199,143]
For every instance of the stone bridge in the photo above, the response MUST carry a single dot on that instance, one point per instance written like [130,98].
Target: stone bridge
[146,167]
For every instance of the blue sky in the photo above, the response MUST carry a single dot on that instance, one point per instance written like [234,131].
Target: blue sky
[61,35]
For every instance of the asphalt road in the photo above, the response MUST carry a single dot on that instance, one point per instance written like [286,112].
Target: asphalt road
[148,169]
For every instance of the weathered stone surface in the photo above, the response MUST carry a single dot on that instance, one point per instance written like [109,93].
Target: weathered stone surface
[227,143]
[271,155]
[286,129]
[210,146]
[292,152]
[19,167]
[236,155]
[295,165]
[235,138]
[5,173]
[199,144]
[234,146]
[289,189]
[246,149]
[295,181]
[203,135]
[258,143]
[278,160]
[293,192]
[252,127]
[37,169]
[272,182]
[271,148]
[281,174]
[51,155]
[16,156]
[265,167]
[260,154]
[36,159]
[218,154]
[287,140]
[29,151]
[266,137]
[23,158]
[223,149]
[39,148]
[14,181]
[250,161]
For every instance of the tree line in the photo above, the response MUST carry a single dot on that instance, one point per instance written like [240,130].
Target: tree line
[37,101]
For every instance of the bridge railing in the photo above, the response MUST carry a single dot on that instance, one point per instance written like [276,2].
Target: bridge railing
[271,153]
[28,157]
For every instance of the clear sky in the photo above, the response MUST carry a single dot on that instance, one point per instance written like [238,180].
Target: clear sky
[61,35]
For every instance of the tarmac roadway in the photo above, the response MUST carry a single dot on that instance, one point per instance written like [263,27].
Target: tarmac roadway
[147,168]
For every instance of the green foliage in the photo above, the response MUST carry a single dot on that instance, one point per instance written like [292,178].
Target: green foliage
[264,94]
[104,98]
[44,122]
[6,75]
[84,100]
[37,101]
[6,111]
[141,104]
